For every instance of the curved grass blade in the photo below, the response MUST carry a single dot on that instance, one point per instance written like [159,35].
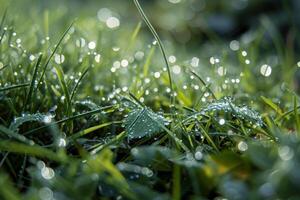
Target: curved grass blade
[160,44]
[14,126]
[203,82]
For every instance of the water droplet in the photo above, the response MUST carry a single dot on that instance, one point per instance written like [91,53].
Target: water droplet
[234,45]
[242,146]
[266,70]
[198,155]
[172,59]
[112,22]
[45,193]
[47,173]
[59,58]
[80,42]
[62,142]
[221,71]
[195,62]
[124,63]
[97,58]
[222,121]
[31,57]
[92,45]
[285,153]
[156,74]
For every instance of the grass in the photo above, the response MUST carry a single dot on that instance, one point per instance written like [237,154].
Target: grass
[87,114]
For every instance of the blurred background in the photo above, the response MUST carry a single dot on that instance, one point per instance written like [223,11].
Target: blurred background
[243,34]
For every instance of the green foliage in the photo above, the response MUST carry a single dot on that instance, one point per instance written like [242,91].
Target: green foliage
[143,122]
[92,117]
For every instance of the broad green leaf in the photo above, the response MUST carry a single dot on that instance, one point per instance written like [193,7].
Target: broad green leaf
[143,122]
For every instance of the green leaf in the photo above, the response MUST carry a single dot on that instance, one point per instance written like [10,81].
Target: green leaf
[143,122]
[226,105]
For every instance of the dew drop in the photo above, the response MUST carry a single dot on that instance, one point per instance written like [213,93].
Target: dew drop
[242,146]
[266,70]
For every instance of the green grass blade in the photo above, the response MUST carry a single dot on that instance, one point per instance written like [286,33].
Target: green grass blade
[37,151]
[160,44]
[109,108]
[77,84]
[14,135]
[32,84]
[52,54]
[92,129]
[62,82]
[14,87]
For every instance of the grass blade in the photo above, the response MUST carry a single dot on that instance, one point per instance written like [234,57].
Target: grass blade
[38,151]
[52,54]
[14,87]
[77,84]
[160,44]
[33,80]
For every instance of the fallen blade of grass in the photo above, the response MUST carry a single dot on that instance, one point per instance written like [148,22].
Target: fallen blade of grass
[72,118]
[14,87]
[118,138]
[35,150]
[92,129]
[14,135]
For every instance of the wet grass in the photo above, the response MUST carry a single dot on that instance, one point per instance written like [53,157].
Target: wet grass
[110,110]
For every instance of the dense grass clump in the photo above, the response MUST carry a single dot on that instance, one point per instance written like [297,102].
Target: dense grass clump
[101,107]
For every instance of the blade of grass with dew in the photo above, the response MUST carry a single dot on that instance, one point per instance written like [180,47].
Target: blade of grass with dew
[52,54]
[160,44]
[78,82]
[14,87]
[112,108]
[2,23]
[14,135]
[203,82]
[68,103]
[32,83]
[115,140]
